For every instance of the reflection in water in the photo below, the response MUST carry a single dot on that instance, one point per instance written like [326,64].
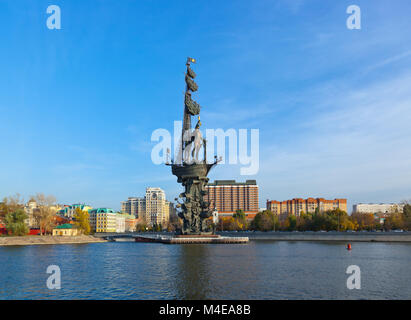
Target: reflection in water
[193,273]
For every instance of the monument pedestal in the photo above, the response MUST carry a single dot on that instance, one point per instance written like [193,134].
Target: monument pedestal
[192,239]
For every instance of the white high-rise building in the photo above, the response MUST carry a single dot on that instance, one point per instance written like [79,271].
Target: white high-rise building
[377,208]
[157,207]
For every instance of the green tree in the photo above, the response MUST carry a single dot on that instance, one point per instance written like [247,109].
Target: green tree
[11,204]
[239,214]
[264,221]
[292,223]
[407,216]
[81,221]
[240,220]
[394,221]
[15,224]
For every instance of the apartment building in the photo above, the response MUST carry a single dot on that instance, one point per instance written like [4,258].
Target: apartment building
[228,196]
[153,208]
[385,208]
[297,206]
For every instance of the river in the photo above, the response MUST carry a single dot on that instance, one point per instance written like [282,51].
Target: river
[257,270]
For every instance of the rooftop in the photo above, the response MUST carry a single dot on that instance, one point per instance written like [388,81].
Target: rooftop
[232,182]
[65,226]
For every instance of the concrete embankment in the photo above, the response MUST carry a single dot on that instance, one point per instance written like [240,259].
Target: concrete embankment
[36,240]
[297,236]
[327,236]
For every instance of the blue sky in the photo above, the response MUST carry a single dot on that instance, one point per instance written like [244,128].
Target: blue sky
[333,106]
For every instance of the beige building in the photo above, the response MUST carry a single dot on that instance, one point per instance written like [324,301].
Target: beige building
[153,208]
[298,206]
[30,209]
[157,207]
[65,230]
[135,206]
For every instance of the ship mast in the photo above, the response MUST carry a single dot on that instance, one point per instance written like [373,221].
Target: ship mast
[187,116]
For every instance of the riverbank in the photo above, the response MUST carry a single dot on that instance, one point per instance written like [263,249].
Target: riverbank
[292,236]
[36,240]
[326,236]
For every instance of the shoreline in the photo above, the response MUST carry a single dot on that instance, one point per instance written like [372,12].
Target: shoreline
[327,236]
[387,237]
[294,236]
[41,240]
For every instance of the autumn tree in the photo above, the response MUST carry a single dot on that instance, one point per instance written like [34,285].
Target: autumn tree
[44,214]
[394,221]
[174,223]
[365,221]
[240,220]
[407,215]
[81,221]
[11,204]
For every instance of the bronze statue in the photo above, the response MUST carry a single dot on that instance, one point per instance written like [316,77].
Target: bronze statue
[190,171]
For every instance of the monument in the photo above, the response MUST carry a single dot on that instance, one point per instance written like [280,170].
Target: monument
[191,171]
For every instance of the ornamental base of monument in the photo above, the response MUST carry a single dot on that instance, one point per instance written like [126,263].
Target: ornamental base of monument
[194,209]
[192,239]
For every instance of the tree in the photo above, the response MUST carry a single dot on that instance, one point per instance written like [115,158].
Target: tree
[82,221]
[365,221]
[11,204]
[174,223]
[15,222]
[394,221]
[407,216]
[240,220]
[264,221]
[141,227]
[239,214]
[44,214]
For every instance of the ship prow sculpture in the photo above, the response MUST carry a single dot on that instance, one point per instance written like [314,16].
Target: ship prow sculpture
[191,171]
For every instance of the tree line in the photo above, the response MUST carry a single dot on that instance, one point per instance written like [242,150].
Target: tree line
[331,220]
[14,217]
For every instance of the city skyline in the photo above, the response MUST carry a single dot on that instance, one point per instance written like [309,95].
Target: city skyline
[80,107]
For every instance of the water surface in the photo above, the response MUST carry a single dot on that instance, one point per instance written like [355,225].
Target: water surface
[258,270]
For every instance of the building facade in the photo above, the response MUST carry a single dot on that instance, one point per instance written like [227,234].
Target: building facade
[103,220]
[153,208]
[157,207]
[297,206]
[228,196]
[130,222]
[65,230]
[135,206]
[70,211]
[385,208]
[32,207]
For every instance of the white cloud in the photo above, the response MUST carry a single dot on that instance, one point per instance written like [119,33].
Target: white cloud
[359,143]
